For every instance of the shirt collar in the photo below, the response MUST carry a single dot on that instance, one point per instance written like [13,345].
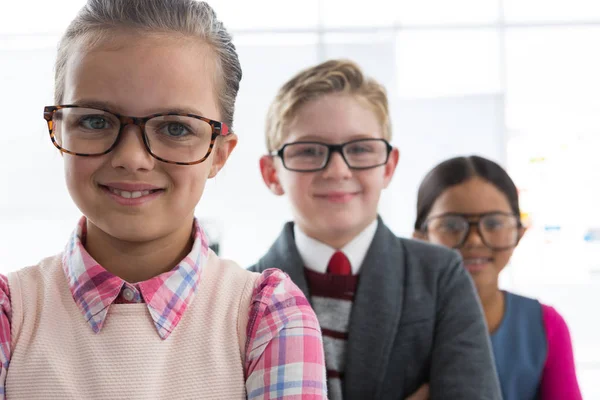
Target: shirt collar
[167,295]
[316,254]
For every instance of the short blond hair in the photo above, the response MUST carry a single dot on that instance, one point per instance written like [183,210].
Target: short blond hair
[329,77]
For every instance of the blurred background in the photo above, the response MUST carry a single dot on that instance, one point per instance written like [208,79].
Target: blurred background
[516,81]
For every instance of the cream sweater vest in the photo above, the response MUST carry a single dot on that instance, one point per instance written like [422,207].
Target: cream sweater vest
[56,355]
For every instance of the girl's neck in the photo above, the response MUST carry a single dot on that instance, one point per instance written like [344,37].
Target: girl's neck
[138,261]
[492,301]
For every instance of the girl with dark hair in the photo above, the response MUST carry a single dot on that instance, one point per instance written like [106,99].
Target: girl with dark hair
[471,204]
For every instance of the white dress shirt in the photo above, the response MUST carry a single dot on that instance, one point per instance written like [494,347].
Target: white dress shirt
[316,255]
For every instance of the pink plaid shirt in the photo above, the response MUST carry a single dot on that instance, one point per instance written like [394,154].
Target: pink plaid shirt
[284,348]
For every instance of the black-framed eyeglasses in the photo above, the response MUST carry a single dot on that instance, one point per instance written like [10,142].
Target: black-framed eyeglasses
[175,138]
[314,156]
[498,230]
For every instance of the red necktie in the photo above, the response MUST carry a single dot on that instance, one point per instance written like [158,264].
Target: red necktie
[339,264]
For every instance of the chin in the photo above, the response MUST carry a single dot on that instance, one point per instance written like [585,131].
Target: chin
[137,235]
[482,280]
[131,229]
[342,227]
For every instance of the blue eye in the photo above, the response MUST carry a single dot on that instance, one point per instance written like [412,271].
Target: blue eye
[359,149]
[305,151]
[94,122]
[177,130]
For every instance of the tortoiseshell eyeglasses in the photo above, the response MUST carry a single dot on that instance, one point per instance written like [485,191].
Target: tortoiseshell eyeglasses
[175,138]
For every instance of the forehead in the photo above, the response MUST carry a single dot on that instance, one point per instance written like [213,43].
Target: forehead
[334,118]
[140,75]
[474,196]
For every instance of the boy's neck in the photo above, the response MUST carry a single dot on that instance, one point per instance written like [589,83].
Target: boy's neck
[334,240]
[138,261]
[336,243]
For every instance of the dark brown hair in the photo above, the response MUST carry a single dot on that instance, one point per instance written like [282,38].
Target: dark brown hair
[456,171]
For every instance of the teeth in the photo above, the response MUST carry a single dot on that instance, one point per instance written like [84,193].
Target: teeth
[476,261]
[130,195]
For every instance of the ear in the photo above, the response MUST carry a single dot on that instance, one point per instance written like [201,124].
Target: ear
[419,235]
[390,166]
[222,151]
[269,174]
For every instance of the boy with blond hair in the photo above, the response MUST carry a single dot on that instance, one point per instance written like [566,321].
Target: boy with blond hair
[398,316]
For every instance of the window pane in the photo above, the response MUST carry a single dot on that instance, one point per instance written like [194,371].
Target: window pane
[27,78]
[18,228]
[428,131]
[552,80]
[358,13]
[375,53]
[447,12]
[446,63]
[266,14]
[344,13]
[268,61]
[37,16]
[554,133]
[551,10]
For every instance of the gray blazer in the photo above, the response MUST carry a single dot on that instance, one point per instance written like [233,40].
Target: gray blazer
[416,318]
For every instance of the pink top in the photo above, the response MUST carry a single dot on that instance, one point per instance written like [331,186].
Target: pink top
[290,359]
[559,381]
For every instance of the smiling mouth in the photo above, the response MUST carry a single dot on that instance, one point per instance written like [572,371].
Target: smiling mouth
[478,260]
[337,197]
[131,194]
[477,264]
[334,194]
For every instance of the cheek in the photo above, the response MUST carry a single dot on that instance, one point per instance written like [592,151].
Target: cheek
[189,180]
[80,170]
[372,182]
[436,240]
[296,184]
[501,259]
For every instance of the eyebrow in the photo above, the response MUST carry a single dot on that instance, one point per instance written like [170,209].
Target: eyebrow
[113,108]
[321,139]
[472,215]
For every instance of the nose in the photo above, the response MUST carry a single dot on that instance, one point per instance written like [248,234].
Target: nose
[337,168]
[131,153]
[473,238]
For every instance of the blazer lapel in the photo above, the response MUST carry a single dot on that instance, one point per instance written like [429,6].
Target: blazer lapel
[284,255]
[375,316]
